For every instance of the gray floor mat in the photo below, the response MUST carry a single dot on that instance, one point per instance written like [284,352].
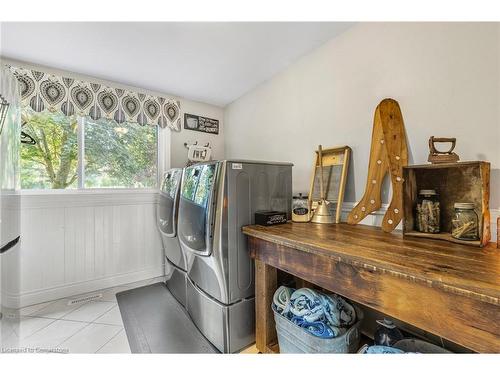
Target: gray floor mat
[156,323]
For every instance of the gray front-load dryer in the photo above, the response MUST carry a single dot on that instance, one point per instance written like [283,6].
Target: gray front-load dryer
[167,211]
[217,199]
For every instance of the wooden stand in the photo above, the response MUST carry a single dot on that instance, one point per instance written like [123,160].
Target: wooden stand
[450,290]
[454,182]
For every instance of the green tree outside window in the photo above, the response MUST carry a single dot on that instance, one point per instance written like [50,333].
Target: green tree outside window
[115,155]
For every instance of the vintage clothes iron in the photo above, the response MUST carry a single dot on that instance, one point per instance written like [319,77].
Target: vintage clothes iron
[440,157]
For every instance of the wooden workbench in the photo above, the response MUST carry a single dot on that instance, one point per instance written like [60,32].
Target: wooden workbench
[447,289]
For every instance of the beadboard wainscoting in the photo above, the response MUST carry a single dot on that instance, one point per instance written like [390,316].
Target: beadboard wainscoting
[76,242]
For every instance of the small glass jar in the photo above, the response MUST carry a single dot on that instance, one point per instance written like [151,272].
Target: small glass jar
[465,222]
[300,209]
[427,212]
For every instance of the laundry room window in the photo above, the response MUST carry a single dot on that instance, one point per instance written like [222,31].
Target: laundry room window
[87,134]
[119,155]
[52,162]
[74,152]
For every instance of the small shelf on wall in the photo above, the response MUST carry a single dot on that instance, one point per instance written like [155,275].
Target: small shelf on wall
[454,182]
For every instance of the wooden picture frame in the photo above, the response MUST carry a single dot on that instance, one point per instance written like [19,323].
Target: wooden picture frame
[335,168]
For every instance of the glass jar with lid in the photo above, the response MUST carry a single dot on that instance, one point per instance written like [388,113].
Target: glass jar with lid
[300,209]
[465,222]
[427,212]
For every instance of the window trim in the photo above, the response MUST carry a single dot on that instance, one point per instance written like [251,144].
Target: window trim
[162,165]
[80,140]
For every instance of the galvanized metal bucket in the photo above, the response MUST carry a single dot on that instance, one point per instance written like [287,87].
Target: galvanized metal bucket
[294,339]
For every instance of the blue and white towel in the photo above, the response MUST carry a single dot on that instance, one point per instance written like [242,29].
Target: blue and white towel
[380,349]
[323,315]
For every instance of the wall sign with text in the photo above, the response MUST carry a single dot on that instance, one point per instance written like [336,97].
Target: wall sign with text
[201,124]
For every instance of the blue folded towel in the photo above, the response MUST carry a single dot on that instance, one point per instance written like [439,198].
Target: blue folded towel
[281,299]
[308,304]
[319,329]
[320,314]
[381,349]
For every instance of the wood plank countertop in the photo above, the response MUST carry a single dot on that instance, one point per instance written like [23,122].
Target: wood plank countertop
[468,271]
[451,290]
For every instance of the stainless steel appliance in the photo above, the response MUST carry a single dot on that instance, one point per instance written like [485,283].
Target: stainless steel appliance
[167,209]
[10,232]
[217,199]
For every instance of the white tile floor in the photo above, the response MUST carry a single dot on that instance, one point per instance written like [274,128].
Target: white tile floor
[87,327]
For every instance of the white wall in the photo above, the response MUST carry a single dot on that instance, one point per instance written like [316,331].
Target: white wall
[445,77]
[178,153]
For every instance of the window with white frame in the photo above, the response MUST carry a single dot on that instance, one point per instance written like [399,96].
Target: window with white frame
[90,135]
[77,152]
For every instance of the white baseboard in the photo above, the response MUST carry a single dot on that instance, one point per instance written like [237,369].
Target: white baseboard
[375,218]
[67,290]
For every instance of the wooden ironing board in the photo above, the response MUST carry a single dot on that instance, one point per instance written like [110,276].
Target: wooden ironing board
[388,154]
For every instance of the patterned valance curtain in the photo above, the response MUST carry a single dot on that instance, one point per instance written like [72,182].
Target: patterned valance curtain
[42,91]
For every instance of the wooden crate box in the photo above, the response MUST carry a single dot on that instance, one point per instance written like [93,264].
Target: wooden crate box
[454,182]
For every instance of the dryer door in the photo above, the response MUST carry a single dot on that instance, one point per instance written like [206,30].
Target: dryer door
[167,206]
[197,208]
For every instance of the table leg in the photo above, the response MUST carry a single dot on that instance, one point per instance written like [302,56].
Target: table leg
[265,286]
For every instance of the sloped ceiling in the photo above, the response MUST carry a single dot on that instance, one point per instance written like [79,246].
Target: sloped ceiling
[209,62]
